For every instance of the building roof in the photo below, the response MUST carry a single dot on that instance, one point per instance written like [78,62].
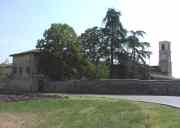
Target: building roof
[33,51]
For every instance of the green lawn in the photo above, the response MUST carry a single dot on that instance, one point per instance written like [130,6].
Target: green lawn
[87,112]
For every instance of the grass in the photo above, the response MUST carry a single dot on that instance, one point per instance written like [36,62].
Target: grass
[87,112]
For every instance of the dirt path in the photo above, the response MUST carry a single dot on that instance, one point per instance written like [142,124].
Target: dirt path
[16,120]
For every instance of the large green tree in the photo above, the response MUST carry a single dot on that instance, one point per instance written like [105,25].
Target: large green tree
[94,48]
[137,49]
[92,44]
[115,34]
[114,44]
[138,53]
[60,54]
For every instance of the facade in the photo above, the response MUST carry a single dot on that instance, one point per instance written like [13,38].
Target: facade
[25,73]
[164,69]
[25,70]
[165,57]
[25,64]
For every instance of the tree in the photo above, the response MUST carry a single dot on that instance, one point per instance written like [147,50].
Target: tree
[137,48]
[115,32]
[60,54]
[138,52]
[114,45]
[93,46]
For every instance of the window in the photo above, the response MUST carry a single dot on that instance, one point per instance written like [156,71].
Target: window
[28,70]
[20,70]
[162,47]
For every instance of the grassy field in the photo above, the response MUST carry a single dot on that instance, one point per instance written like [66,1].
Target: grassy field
[87,112]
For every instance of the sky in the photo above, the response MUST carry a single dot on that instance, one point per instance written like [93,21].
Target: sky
[22,22]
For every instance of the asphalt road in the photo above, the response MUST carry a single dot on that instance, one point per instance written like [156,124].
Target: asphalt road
[173,101]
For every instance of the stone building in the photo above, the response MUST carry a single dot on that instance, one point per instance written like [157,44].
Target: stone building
[138,71]
[25,73]
[25,64]
[164,69]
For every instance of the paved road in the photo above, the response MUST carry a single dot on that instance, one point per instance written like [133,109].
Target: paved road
[167,100]
[173,101]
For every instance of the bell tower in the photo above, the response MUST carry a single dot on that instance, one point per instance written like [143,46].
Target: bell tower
[165,57]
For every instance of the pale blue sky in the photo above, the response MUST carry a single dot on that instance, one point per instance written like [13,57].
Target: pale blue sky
[22,22]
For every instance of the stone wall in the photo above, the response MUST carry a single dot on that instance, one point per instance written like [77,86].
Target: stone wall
[18,85]
[25,66]
[130,87]
[21,85]
[139,87]
[3,84]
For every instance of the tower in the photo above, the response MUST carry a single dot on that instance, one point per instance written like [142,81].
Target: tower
[165,57]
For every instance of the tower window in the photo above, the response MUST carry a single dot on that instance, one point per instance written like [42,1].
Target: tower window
[162,47]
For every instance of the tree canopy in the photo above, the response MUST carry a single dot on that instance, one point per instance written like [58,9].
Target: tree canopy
[115,34]
[60,54]
[94,47]
[138,50]
[114,44]
[65,56]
